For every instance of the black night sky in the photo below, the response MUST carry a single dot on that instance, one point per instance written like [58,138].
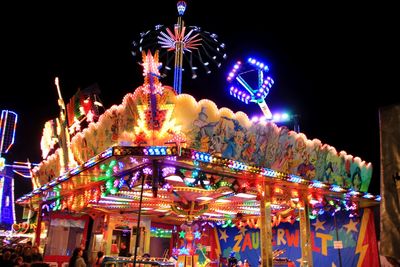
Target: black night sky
[332,63]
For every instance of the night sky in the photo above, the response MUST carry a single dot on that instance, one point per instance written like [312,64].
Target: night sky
[330,62]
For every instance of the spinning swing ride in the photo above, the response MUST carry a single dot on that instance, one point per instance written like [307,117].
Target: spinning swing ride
[186,45]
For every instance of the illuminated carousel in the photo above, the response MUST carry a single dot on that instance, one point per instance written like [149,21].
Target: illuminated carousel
[162,161]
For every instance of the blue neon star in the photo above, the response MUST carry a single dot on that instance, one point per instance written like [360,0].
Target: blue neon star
[197,235]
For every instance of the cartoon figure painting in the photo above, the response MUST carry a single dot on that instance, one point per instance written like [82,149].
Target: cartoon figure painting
[356,179]
[203,130]
[274,147]
[327,173]
[285,163]
[249,148]
[284,160]
[306,169]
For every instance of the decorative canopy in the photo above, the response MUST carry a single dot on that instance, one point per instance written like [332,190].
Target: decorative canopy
[195,161]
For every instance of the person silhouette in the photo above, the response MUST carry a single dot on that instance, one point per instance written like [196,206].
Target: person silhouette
[76,259]
[232,261]
[123,250]
[99,259]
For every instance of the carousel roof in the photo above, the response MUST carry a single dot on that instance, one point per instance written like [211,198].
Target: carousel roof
[112,181]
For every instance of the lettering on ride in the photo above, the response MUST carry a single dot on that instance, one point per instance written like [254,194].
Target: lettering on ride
[250,241]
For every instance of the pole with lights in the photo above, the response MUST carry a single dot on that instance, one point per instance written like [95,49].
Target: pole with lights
[179,44]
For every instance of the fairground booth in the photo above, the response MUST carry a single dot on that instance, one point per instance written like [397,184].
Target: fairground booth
[185,181]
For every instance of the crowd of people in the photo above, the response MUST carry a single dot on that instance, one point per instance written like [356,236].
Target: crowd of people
[21,255]
[28,255]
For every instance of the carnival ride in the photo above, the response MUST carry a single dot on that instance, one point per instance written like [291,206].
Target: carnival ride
[240,76]
[189,46]
[184,162]
[8,124]
[164,157]
[12,232]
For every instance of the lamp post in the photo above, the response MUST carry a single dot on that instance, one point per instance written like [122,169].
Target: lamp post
[137,241]
[282,118]
[296,122]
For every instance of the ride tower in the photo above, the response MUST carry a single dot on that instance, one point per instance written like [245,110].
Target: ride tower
[8,123]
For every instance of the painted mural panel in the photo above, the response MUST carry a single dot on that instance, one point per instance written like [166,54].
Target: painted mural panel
[164,118]
[234,136]
[357,236]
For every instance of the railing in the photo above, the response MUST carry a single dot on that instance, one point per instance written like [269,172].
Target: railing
[110,261]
